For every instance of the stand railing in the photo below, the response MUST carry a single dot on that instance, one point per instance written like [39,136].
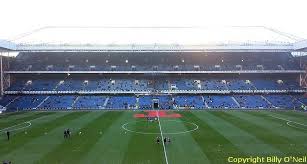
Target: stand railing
[154,92]
[158,72]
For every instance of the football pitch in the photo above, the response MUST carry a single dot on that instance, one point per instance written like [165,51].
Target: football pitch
[114,137]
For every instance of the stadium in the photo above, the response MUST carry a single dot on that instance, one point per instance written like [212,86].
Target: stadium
[220,94]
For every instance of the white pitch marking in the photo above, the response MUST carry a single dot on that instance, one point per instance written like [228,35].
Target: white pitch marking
[124,126]
[27,122]
[289,121]
[162,140]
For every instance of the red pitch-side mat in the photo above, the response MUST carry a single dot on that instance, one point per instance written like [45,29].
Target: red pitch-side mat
[154,113]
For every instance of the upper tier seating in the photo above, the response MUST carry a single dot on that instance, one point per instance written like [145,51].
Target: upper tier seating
[152,61]
[266,84]
[222,67]
[275,85]
[75,84]
[239,85]
[214,85]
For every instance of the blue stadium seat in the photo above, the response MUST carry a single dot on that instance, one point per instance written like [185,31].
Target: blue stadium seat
[121,102]
[252,101]
[90,102]
[220,102]
[26,102]
[58,102]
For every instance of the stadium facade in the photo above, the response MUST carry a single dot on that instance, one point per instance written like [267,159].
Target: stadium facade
[70,68]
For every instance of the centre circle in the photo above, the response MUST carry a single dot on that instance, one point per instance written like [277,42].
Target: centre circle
[126,128]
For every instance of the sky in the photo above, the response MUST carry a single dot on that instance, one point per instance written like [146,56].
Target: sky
[21,16]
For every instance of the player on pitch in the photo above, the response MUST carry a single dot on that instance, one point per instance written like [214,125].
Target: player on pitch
[158,140]
[8,135]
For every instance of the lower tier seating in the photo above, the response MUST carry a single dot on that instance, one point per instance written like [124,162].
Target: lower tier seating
[148,102]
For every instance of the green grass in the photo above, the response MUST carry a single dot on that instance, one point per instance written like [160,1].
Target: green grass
[219,135]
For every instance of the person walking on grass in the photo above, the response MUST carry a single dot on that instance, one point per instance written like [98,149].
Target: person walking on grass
[8,135]
[158,140]
[65,134]
[68,133]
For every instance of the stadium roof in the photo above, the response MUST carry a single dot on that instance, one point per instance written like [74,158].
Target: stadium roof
[151,39]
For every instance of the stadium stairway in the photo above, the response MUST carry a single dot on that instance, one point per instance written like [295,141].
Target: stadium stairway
[42,102]
[297,99]
[76,99]
[253,86]
[266,100]
[235,100]
[56,87]
[206,105]
[12,101]
[106,102]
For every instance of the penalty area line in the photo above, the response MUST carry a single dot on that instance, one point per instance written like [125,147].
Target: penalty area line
[289,121]
[29,122]
[15,129]
[162,140]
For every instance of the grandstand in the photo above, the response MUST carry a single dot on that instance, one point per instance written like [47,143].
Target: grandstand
[218,95]
[116,68]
